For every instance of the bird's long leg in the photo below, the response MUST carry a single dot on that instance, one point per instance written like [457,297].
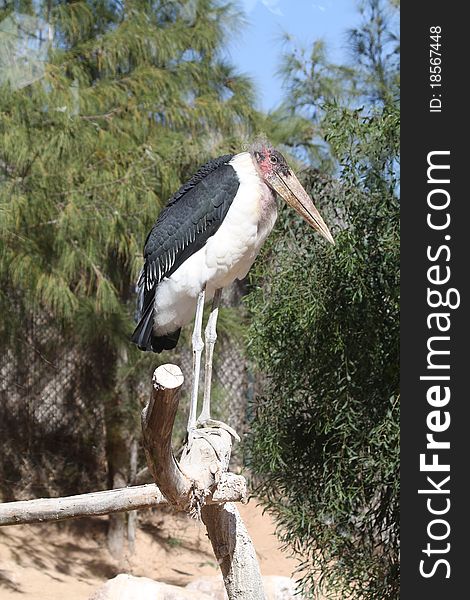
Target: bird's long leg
[211,337]
[198,346]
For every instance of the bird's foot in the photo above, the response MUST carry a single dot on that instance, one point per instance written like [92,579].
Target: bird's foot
[213,424]
[205,434]
[205,428]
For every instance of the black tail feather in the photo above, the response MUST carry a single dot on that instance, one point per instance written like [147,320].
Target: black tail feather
[145,339]
[165,342]
[143,332]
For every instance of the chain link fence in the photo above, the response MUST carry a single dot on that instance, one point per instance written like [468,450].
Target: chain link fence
[51,427]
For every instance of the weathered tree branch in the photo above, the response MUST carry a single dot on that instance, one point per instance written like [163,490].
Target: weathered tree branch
[94,504]
[83,505]
[158,418]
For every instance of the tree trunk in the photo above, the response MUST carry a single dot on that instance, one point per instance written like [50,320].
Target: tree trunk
[132,515]
[119,432]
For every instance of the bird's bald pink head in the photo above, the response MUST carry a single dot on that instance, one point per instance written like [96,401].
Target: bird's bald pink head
[277,174]
[269,160]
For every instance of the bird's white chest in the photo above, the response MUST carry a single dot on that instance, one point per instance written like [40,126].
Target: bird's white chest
[230,253]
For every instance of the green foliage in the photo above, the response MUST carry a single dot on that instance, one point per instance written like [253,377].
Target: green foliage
[325,435]
[325,334]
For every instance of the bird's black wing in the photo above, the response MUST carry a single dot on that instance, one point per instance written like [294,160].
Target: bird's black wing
[191,216]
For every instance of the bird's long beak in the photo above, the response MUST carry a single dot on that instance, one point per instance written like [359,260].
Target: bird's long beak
[290,188]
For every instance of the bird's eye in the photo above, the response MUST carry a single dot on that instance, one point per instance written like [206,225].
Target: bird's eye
[273,159]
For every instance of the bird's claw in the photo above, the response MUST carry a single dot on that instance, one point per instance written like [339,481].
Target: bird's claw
[206,428]
[213,424]
[201,433]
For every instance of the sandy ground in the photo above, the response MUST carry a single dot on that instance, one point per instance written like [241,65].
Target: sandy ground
[68,561]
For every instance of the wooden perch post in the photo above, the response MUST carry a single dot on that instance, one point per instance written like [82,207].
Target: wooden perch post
[201,474]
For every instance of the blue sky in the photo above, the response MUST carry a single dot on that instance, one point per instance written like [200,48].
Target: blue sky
[257,50]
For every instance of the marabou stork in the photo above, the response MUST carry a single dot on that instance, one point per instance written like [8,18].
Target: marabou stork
[208,235]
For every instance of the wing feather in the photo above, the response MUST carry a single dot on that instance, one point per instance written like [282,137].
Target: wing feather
[191,216]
